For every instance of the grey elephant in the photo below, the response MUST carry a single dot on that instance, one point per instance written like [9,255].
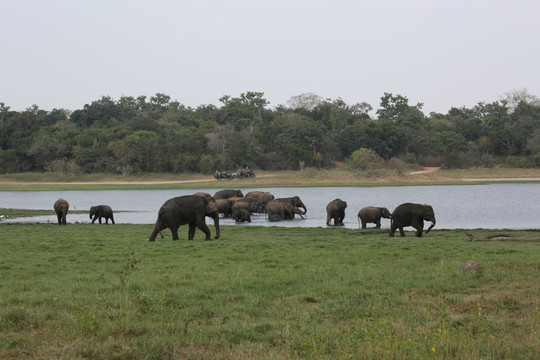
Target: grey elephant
[263,196]
[228,193]
[187,209]
[284,209]
[373,214]
[251,204]
[335,210]
[101,211]
[224,207]
[275,218]
[410,214]
[61,208]
[295,202]
[241,215]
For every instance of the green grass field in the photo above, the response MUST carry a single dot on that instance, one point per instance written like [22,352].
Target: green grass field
[105,292]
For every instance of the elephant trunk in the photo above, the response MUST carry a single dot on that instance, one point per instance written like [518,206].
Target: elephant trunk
[305,209]
[216,225]
[431,227]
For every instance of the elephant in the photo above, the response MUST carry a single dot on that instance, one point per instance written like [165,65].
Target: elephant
[251,204]
[61,208]
[203,194]
[187,209]
[227,193]
[101,211]
[294,201]
[409,214]
[241,215]
[263,196]
[335,210]
[373,214]
[224,207]
[275,218]
[284,209]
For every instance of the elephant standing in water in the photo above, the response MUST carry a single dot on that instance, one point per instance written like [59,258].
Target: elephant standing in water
[335,210]
[61,208]
[373,214]
[409,214]
[285,210]
[228,193]
[101,211]
[187,209]
[263,196]
[295,202]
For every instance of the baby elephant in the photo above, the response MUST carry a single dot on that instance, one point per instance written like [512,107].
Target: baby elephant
[241,215]
[101,211]
[373,214]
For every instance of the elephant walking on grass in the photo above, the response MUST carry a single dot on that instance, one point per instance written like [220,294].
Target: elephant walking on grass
[373,214]
[61,208]
[187,209]
[409,214]
[101,211]
[335,210]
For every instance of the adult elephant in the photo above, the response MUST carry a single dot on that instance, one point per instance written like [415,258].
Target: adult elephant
[373,214]
[284,209]
[101,211]
[228,193]
[187,209]
[336,210]
[224,207]
[263,196]
[61,208]
[410,214]
[295,202]
[251,204]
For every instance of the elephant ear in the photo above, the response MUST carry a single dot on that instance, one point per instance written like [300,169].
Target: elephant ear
[210,205]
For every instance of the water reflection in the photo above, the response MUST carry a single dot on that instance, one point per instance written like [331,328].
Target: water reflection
[493,206]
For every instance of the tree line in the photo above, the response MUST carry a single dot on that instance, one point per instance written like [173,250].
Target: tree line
[157,134]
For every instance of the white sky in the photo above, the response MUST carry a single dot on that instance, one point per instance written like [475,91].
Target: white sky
[443,53]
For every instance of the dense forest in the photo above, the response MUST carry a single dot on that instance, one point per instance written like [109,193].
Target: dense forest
[157,134]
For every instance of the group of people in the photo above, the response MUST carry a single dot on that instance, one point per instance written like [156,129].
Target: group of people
[242,172]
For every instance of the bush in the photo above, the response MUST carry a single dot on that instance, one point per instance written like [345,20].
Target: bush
[364,159]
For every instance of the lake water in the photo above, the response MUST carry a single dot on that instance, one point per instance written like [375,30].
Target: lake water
[493,206]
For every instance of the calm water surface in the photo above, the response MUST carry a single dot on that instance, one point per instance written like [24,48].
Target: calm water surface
[494,206]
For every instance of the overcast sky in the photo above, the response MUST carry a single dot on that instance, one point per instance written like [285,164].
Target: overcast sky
[443,53]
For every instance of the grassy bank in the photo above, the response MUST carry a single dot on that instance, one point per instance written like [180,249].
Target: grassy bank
[104,292]
[308,177]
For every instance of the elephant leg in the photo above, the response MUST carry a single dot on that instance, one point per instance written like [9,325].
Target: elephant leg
[401,232]
[392,230]
[106,221]
[64,219]
[419,228]
[174,231]
[364,224]
[112,219]
[204,228]
[378,223]
[157,228]
[100,220]
[191,231]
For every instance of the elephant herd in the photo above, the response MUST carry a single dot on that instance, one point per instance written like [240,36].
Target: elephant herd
[193,209]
